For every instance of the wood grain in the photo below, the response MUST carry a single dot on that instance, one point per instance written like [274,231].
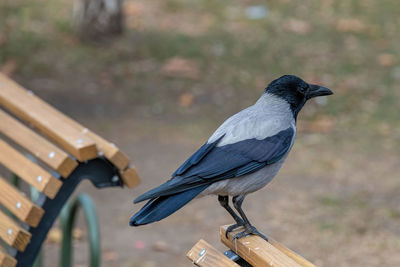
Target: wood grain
[37,145]
[130,177]
[51,122]
[256,250]
[109,150]
[204,255]
[6,260]
[28,171]
[296,257]
[12,234]
[19,205]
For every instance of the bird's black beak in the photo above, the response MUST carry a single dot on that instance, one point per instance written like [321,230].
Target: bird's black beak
[316,90]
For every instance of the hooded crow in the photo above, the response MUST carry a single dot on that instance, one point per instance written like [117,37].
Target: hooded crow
[242,156]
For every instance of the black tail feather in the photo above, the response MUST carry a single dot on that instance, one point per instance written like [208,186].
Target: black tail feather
[159,208]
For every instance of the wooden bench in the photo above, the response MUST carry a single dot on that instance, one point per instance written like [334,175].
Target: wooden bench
[64,154]
[247,251]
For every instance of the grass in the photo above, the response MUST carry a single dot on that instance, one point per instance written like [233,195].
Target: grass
[237,56]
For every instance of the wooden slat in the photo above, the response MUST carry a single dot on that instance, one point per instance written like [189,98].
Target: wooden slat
[28,171]
[130,177]
[291,254]
[6,260]
[205,255]
[46,119]
[37,145]
[256,250]
[19,205]
[12,233]
[109,150]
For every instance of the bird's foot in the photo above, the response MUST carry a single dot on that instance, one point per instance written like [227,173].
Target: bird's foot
[251,230]
[233,227]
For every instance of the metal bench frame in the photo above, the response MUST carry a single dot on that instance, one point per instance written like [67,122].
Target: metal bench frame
[99,171]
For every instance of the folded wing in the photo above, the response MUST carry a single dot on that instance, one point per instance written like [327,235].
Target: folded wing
[212,163]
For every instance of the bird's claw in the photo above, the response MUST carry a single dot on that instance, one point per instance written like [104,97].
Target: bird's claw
[233,227]
[249,231]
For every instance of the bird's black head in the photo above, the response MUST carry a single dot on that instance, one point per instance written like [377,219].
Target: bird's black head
[295,91]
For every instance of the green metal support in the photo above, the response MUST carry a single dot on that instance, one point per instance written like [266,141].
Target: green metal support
[68,216]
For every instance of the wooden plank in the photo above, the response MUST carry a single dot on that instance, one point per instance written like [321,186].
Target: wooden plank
[6,260]
[12,234]
[296,257]
[28,171]
[205,255]
[256,250]
[46,119]
[109,150]
[19,205]
[37,145]
[130,177]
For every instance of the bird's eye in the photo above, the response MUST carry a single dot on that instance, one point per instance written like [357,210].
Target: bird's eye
[303,89]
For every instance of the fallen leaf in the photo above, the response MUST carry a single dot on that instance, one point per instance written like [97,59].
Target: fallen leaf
[110,256]
[297,26]
[77,234]
[350,25]
[132,8]
[181,67]
[386,59]
[160,246]
[3,39]
[384,129]
[186,100]
[55,235]
[9,67]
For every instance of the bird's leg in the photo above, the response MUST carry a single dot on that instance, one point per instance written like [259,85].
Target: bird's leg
[224,201]
[249,229]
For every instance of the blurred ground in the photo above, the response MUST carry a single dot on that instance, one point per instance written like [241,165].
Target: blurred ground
[183,67]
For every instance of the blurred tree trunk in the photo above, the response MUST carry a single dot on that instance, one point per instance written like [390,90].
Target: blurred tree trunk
[97,20]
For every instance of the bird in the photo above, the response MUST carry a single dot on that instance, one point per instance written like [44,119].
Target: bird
[242,156]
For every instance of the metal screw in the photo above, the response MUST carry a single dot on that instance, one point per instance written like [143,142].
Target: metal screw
[30,92]
[39,179]
[79,141]
[51,154]
[9,232]
[18,205]
[114,179]
[202,252]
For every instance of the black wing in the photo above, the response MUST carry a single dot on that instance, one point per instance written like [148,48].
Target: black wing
[212,163]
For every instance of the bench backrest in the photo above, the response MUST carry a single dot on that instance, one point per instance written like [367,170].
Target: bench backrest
[62,149]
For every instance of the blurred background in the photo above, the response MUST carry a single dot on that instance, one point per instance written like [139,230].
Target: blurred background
[160,85]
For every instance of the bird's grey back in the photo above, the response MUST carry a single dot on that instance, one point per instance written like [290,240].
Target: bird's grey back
[268,116]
